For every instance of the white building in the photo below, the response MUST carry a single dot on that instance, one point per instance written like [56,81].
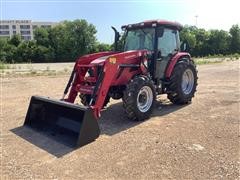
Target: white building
[23,27]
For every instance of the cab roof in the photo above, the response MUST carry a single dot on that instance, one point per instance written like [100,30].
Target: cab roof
[154,23]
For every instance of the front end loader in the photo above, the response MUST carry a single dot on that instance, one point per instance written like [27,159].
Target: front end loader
[150,64]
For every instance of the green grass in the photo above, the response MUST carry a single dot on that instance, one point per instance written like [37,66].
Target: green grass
[214,60]
[3,66]
[207,61]
[33,72]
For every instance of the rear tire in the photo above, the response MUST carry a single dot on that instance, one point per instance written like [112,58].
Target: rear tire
[183,83]
[139,98]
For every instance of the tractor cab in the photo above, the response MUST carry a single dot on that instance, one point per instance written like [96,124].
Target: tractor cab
[160,38]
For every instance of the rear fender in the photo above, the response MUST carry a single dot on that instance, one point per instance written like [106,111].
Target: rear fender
[173,62]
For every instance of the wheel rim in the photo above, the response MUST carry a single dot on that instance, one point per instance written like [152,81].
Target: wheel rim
[144,99]
[187,81]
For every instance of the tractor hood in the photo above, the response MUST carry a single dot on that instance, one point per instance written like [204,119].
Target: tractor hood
[124,56]
[100,60]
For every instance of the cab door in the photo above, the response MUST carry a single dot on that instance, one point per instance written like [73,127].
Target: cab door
[167,45]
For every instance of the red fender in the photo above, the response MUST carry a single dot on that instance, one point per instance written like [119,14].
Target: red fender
[173,61]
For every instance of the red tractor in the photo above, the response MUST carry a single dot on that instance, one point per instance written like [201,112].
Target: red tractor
[151,63]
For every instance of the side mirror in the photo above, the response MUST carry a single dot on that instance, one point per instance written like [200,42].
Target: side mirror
[185,46]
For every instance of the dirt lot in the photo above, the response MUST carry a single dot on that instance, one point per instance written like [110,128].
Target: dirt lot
[197,141]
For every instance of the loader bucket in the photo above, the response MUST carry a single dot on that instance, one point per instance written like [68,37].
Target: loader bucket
[68,123]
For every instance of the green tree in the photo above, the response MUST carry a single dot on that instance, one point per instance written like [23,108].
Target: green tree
[202,47]
[58,41]
[235,39]
[7,50]
[219,42]
[204,42]
[100,47]
[41,35]
[81,37]
[3,43]
[187,34]
[42,54]
[10,52]
[72,39]
[15,40]
[25,51]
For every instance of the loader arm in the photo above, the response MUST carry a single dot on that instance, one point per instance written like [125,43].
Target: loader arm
[75,77]
[103,82]
[107,76]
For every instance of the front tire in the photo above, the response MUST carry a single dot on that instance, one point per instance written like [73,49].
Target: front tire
[86,98]
[139,98]
[183,83]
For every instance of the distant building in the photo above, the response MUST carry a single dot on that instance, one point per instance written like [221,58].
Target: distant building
[24,28]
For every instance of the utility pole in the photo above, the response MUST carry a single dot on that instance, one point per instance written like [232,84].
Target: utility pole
[196,23]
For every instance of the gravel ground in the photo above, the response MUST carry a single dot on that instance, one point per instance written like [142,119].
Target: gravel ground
[196,141]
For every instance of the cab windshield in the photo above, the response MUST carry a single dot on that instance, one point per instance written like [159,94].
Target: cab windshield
[139,39]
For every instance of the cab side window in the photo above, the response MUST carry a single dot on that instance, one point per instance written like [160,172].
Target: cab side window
[167,43]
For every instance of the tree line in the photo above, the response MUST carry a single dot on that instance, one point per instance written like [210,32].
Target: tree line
[211,42]
[71,39]
[61,43]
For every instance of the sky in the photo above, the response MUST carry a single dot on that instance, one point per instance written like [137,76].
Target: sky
[211,14]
